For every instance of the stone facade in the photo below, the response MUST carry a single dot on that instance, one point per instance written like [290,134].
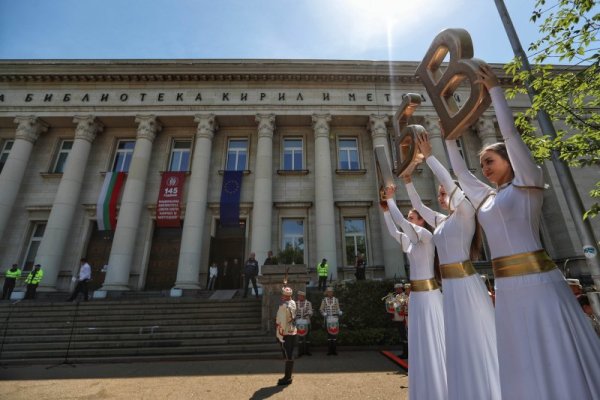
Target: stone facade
[321,105]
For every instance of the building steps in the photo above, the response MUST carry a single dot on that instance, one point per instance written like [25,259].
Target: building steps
[131,330]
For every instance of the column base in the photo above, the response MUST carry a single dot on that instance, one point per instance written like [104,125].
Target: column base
[187,285]
[47,289]
[115,288]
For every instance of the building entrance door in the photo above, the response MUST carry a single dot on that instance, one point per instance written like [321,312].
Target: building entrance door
[164,257]
[98,253]
[227,250]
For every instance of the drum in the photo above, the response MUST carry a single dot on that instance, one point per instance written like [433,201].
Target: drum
[391,305]
[302,326]
[333,325]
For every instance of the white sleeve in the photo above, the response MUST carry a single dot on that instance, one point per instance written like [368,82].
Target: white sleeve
[394,232]
[475,190]
[455,195]
[527,173]
[432,217]
[413,232]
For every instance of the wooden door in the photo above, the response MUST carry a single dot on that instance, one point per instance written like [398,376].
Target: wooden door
[164,257]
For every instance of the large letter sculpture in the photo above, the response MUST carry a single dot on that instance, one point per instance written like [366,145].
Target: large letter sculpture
[441,85]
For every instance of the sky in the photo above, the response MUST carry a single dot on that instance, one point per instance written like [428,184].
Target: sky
[382,30]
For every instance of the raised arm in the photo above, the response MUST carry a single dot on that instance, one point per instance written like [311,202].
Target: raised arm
[432,217]
[475,190]
[413,232]
[527,173]
[400,237]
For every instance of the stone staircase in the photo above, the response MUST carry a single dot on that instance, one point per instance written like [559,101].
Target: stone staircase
[131,330]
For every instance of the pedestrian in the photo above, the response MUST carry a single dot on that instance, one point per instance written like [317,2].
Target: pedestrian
[285,329]
[271,259]
[33,280]
[85,274]
[470,328]
[250,274]
[322,272]
[538,320]
[426,343]
[304,313]
[400,317]
[213,272]
[331,312]
[360,266]
[224,276]
[10,279]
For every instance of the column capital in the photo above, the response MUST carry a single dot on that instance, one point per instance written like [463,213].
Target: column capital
[432,125]
[377,125]
[207,125]
[486,129]
[87,127]
[148,127]
[29,128]
[320,123]
[266,124]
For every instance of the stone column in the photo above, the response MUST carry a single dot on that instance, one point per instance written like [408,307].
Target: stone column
[435,138]
[190,254]
[56,236]
[392,253]
[132,203]
[28,131]
[262,208]
[486,130]
[325,215]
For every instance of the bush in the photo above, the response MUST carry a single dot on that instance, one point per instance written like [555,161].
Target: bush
[364,322]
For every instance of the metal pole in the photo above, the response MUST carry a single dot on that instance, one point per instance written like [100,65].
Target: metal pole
[584,228]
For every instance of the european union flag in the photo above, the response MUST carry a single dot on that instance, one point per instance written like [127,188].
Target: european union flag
[230,198]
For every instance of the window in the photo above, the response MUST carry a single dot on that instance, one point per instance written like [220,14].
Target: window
[8,144]
[123,155]
[292,241]
[292,154]
[180,155]
[61,157]
[355,238]
[237,155]
[37,233]
[348,154]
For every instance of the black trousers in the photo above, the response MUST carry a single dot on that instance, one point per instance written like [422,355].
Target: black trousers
[80,288]
[9,285]
[322,283]
[287,347]
[247,279]
[30,293]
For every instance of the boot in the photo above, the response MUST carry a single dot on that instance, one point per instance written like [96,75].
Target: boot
[287,379]
[333,347]
[307,348]
[330,349]
[300,349]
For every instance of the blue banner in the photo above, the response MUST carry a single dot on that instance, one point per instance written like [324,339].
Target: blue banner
[230,198]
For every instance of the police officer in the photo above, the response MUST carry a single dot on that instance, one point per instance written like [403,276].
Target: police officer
[304,311]
[286,332]
[33,280]
[323,272]
[10,279]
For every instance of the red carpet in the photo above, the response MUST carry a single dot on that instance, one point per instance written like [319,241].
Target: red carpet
[401,362]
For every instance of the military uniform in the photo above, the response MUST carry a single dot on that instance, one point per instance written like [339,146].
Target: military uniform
[400,318]
[286,332]
[330,307]
[304,311]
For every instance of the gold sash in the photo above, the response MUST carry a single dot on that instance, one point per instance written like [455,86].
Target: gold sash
[424,285]
[533,262]
[457,270]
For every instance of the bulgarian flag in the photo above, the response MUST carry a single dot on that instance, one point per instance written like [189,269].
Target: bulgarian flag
[106,208]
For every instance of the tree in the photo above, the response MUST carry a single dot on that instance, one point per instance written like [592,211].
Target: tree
[569,33]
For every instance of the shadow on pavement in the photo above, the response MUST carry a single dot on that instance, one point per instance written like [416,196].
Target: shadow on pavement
[266,392]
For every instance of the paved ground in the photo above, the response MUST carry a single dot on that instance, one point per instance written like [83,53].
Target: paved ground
[351,375]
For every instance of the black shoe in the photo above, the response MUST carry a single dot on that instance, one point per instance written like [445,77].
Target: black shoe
[284,381]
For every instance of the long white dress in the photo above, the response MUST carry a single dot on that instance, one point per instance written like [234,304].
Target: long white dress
[426,346]
[471,352]
[546,348]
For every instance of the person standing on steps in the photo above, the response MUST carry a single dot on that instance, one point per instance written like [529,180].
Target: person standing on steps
[285,329]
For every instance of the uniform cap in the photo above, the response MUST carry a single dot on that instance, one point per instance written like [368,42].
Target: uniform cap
[398,285]
[573,282]
[329,289]
[37,265]
[407,286]
[286,291]
[300,293]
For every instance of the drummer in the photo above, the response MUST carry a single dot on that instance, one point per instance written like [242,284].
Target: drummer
[330,310]
[304,312]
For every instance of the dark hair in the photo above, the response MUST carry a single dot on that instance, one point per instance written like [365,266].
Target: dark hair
[498,148]
[426,225]
[437,273]
[583,300]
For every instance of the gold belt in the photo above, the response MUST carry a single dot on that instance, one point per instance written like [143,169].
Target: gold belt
[424,285]
[457,270]
[533,262]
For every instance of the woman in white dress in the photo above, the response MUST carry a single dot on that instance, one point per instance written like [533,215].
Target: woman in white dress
[426,348]
[546,348]
[471,353]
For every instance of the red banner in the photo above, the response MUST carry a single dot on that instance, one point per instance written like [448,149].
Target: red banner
[169,199]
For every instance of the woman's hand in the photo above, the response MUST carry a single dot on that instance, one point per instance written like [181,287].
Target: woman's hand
[487,77]
[424,144]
